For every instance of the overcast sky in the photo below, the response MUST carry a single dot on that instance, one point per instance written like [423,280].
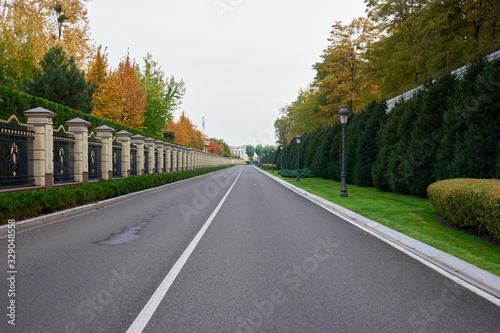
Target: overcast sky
[241,60]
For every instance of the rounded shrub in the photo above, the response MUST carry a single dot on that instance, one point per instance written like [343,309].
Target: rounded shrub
[470,203]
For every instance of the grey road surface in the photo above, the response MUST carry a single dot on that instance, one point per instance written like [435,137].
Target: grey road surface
[270,261]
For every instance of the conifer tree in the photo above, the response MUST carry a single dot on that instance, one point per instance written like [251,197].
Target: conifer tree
[59,80]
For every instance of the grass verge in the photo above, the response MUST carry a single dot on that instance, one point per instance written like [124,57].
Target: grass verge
[410,215]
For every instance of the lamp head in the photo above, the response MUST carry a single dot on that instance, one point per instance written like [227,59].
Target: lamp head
[343,113]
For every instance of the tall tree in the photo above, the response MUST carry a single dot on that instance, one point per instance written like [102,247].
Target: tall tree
[45,23]
[422,38]
[340,78]
[250,151]
[163,95]
[58,79]
[98,72]
[282,126]
[121,96]
[16,52]
[186,133]
[259,150]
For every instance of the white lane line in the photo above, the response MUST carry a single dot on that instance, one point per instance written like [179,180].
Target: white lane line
[147,312]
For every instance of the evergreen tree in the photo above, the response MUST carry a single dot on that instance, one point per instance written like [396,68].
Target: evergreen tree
[369,143]
[59,80]
[335,154]
[426,135]
[472,125]
[396,167]
[322,155]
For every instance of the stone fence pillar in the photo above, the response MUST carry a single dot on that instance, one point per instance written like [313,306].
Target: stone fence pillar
[124,138]
[138,140]
[168,146]
[159,146]
[105,133]
[150,146]
[43,156]
[80,128]
[183,158]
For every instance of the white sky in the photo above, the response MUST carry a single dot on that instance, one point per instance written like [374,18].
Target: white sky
[241,62]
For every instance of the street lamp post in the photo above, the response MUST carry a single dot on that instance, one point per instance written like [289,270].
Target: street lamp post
[281,164]
[272,164]
[267,161]
[343,113]
[298,138]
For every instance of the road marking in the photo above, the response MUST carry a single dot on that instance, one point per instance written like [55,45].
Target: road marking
[147,312]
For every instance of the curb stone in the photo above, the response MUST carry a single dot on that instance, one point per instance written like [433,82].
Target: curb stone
[478,277]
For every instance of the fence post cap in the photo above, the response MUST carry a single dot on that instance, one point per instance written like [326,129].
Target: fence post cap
[40,112]
[123,134]
[149,141]
[104,128]
[77,122]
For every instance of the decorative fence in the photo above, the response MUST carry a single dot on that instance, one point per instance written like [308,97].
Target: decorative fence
[33,154]
[94,157]
[117,158]
[16,147]
[63,143]
[133,160]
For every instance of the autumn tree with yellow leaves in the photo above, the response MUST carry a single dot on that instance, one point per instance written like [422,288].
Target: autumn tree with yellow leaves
[29,28]
[186,133]
[119,95]
[340,80]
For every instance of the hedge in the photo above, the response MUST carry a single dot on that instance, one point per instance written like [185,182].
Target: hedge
[31,203]
[265,166]
[304,173]
[450,129]
[470,203]
[15,103]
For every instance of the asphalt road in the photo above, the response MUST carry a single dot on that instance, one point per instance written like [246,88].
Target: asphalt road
[268,261]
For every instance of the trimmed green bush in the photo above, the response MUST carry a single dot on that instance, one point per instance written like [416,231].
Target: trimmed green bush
[265,165]
[470,203]
[27,204]
[304,173]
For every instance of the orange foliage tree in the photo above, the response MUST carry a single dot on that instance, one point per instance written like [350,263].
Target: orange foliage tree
[186,133]
[215,148]
[119,95]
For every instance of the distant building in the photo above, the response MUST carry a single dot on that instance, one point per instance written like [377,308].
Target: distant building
[241,152]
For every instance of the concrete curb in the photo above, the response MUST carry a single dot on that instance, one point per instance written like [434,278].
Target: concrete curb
[56,216]
[484,280]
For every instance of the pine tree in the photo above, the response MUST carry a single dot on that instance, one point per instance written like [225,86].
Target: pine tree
[59,80]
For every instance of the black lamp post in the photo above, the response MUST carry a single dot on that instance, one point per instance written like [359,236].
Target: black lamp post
[272,164]
[281,164]
[267,161]
[298,138]
[343,113]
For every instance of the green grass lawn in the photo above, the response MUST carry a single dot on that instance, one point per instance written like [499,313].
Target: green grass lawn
[410,215]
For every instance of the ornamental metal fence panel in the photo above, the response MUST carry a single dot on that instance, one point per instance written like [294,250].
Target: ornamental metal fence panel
[133,159]
[117,158]
[146,161]
[16,154]
[94,157]
[171,161]
[165,161]
[64,144]
[156,160]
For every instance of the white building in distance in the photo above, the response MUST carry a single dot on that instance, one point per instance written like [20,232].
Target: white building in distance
[241,152]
